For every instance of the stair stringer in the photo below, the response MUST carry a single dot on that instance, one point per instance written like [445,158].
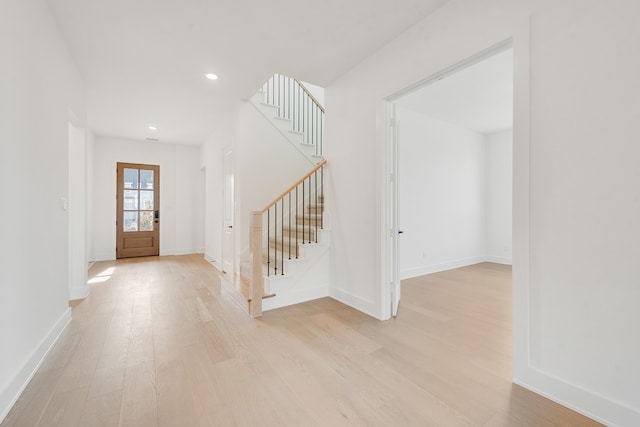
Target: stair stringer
[285,127]
[305,279]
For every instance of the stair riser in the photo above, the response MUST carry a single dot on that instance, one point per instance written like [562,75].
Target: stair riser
[285,247]
[310,222]
[281,254]
[314,210]
[304,236]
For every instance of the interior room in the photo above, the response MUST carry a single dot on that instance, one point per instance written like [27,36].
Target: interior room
[455,147]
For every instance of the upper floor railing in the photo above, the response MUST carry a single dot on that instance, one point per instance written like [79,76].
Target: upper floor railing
[297,104]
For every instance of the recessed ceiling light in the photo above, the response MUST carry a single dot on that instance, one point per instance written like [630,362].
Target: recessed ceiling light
[153,128]
[211,76]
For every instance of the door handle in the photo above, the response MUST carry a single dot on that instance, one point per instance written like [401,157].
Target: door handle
[229,226]
[400,232]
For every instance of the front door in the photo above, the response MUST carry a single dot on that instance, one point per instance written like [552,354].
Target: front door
[138,210]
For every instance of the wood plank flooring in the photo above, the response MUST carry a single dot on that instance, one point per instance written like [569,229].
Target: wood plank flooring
[160,343]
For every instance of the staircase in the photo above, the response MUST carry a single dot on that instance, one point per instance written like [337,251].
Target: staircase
[289,247]
[288,257]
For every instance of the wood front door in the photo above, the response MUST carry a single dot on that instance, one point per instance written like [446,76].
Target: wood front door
[138,210]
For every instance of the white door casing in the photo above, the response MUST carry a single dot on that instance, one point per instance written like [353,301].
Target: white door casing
[227,212]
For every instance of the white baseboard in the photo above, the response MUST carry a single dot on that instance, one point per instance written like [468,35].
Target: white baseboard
[295,297]
[163,252]
[499,260]
[366,306]
[435,268]
[188,251]
[105,257]
[78,293]
[213,262]
[586,402]
[10,394]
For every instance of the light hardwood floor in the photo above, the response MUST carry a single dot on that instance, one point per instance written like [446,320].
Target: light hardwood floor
[159,343]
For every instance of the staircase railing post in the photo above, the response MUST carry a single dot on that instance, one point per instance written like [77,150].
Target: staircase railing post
[255,259]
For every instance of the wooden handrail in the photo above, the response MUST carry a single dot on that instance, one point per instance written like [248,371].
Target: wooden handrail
[290,189]
[313,98]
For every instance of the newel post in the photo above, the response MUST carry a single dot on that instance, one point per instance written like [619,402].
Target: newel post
[255,259]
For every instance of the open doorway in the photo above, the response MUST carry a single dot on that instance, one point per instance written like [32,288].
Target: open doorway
[451,150]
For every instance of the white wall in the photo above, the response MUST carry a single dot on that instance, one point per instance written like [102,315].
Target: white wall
[181,193]
[499,178]
[39,84]
[575,192]
[441,195]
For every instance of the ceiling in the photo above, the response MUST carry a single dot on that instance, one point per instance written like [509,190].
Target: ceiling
[144,61]
[479,97]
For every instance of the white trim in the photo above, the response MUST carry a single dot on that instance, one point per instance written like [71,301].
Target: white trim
[77,293]
[465,63]
[385,113]
[521,198]
[586,402]
[293,297]
[105,257]
[10,394]
[188,251]
[498,260]
[386,241]
[211,260]
[435,268]
[361,304]
[163,252]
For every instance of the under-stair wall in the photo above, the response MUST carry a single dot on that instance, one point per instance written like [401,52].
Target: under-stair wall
[266,163]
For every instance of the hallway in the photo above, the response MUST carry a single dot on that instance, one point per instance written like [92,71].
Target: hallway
[158,343]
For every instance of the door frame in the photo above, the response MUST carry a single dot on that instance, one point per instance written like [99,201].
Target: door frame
[120,206]
[228,224]
[389,227]
[76,203]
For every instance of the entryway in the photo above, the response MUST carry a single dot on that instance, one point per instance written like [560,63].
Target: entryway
[138,210]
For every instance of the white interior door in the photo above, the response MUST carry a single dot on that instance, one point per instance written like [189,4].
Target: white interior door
[227,213]
[393,213]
